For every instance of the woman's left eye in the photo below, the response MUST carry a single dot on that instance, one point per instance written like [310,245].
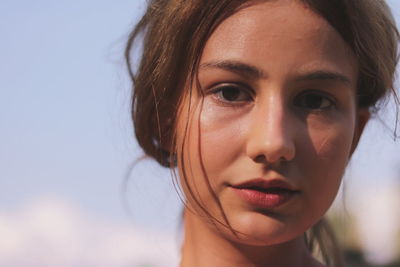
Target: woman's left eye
[230,93]
[314,101]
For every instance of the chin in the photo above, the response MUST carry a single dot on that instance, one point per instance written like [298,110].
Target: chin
[257,229]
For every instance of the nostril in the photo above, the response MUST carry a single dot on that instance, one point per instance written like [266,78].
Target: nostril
[260,159]
[264,160]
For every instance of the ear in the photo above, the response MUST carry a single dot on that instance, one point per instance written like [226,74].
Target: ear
[362,117]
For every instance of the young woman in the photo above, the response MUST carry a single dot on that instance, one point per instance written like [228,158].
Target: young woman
[259,105]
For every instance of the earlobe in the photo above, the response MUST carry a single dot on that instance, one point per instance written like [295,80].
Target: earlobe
[362,117]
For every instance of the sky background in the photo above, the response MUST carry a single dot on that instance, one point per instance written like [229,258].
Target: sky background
[66,144]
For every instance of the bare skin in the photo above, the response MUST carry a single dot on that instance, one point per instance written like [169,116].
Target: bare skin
[202,248]
[278,103]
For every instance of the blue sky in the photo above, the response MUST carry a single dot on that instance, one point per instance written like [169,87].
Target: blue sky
[64,102]
[64,115]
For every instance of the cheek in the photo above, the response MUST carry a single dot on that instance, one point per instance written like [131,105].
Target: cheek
[328,154]
[332,150]
[333,144]
[331,139]
[206,147]
[223,136]
[336,141]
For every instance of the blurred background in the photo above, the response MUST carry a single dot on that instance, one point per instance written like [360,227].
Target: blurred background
[67,147]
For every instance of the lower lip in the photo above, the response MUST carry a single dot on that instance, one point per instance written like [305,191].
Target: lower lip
[264,200]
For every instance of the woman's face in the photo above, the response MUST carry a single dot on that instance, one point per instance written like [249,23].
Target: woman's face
[275,124]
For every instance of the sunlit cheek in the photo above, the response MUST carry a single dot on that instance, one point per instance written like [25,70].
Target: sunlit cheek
[187,139]
[201,138]
[222,134]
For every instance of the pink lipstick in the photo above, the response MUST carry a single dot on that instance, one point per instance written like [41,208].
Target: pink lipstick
[265,194]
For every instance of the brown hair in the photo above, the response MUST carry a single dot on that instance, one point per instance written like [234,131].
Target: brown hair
[173,34]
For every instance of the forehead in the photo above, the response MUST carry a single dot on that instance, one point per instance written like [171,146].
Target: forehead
[280,35]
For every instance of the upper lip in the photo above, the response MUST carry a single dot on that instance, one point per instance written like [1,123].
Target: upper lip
[264,184]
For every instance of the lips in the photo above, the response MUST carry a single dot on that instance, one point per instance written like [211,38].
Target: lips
[266,194]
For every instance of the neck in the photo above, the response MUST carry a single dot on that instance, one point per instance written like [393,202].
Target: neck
[204,246]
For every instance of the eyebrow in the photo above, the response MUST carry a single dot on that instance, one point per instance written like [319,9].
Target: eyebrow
[237,67]
[324,75]
[254,72]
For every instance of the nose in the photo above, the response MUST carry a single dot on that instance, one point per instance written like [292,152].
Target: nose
[271,135]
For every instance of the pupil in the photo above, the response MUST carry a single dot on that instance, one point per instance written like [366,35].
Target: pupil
[313,101]
[230,94]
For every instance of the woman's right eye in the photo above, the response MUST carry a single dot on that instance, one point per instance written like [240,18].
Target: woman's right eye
[232,93]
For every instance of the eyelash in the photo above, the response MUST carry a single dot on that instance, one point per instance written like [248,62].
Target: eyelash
[326,101]
[242,91]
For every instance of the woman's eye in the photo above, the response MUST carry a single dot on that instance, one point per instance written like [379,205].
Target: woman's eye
[314,101]
[231,93]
